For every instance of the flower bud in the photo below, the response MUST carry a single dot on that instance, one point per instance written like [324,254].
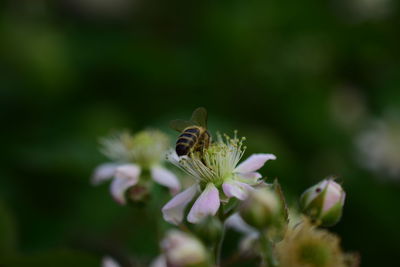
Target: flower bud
[323,202]
[182,249]
[209,229]
[261,209]
[138,194]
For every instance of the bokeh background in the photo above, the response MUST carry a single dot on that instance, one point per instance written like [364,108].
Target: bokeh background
[315,82]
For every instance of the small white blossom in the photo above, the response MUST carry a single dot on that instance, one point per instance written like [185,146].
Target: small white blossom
[371,9]
[218,177]
[378,146]
[182,249]
[131,155]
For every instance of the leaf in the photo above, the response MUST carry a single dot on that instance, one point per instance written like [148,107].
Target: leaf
[8,238]
[59,258]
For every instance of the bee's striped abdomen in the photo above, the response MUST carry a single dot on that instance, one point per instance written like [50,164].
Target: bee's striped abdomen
[193,130]
[186,141]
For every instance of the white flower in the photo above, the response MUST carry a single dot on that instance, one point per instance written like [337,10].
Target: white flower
[107,261]
[182,249]
[131,155]
[378,146]
[215,171]
[371,9]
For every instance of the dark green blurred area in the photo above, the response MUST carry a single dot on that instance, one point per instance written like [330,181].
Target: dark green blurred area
[298,78]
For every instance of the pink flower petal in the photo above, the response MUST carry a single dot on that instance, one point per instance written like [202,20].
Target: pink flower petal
[236,189]
[236,222]
[125,177]
[207,204]
[250,176]
[166,178]
[174,209]
[103,172]
[254,162]
[333,195]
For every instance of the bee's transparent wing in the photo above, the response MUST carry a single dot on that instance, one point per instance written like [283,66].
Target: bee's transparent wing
[180,125]
[199,117]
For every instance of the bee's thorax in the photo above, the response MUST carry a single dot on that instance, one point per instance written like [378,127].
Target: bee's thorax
[192,139]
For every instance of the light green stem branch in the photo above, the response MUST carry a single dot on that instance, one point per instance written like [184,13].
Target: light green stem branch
[267,254]
[218,247]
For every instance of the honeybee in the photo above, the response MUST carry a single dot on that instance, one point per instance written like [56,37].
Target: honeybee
[194,136]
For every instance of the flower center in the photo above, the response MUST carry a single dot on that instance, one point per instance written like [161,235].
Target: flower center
[145,148]
[149,147]
[217,163]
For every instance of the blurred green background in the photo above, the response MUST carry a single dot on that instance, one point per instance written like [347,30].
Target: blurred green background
[300,79]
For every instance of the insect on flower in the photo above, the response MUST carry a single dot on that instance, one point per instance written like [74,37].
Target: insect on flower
[194,135]
[218,176]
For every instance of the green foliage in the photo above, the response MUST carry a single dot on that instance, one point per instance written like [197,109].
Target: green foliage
[298,79]
[8,234]
[61,258]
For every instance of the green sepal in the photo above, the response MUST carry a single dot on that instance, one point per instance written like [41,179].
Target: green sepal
[277,232]
[332,216]
[284,208]
[314,208]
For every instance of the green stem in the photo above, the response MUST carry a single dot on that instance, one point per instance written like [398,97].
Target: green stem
[267,254]
[218,247]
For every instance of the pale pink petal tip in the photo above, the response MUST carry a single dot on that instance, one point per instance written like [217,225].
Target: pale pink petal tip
[173,211]
[236,222]
[236,189]
[166,178]
[103,172]
[250,176]
[125,177]
[207,204]
[254,162]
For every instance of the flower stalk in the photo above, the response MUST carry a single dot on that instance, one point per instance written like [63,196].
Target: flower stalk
[218,247]
[267,254]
